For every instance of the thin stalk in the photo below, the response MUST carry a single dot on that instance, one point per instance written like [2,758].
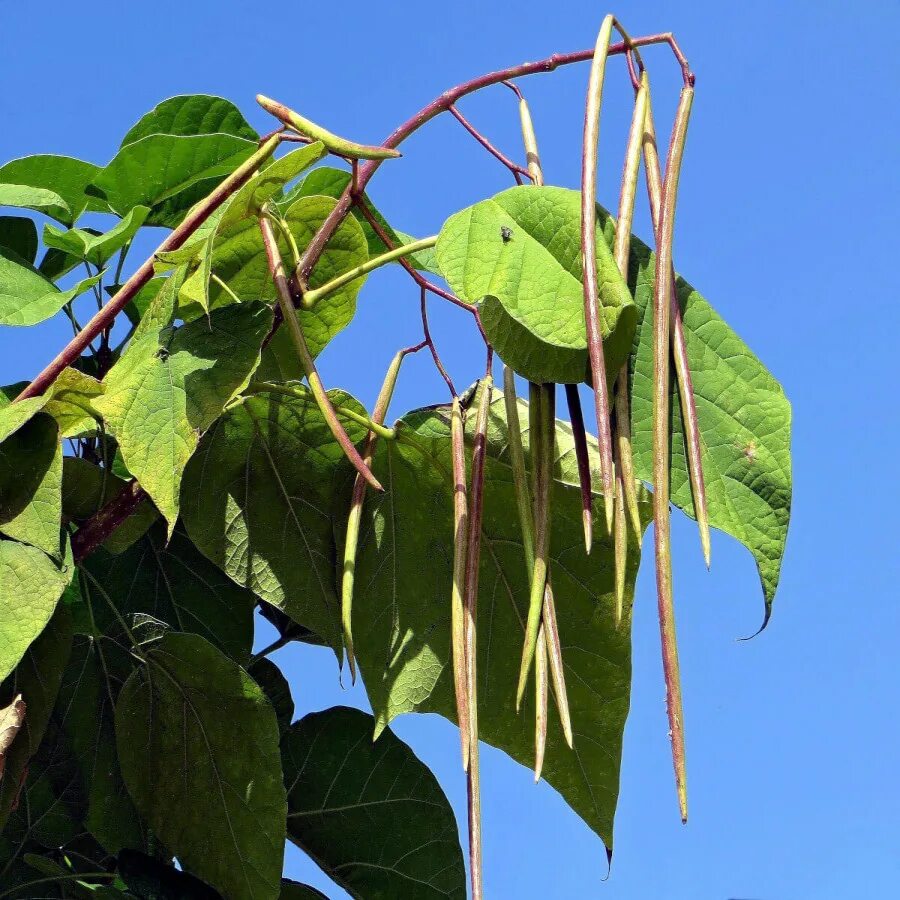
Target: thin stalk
[526,522]
[541,684]
[542,415]
[311,297]
[516,170]
[661,349]
[103,318]
[589,261]
[276,269]
[579,436]
[473,556]
[620,547]
[356,508]
[679,349]
[457,613]
[333,143]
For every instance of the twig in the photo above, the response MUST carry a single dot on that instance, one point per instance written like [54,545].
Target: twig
[429,342]
[515,168]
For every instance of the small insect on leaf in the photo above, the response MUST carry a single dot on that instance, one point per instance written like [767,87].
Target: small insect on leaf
[506,234]
[162,353]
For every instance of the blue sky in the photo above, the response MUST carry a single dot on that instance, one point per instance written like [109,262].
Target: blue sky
[788,224]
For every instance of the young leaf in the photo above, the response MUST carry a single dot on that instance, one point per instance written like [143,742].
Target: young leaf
[519,255]
[193,724]
[62,179]
[170,386]
[96,248]
[71,402]
[371,815]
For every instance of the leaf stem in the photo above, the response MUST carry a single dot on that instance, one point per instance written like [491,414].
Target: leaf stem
[276,269]
[515,168]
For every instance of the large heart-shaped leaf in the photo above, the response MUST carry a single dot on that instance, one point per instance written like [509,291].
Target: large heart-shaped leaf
[171,385]
[198,747]
[257,500]
[371,814]
[64,177]
[190,114]
[518,254]
[402,608]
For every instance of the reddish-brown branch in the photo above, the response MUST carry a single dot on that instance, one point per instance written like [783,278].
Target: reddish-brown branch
[104,522]
[515,168]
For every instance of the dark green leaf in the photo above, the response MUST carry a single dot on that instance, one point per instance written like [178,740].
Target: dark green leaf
[190,114]
[150,879]
[19,234]
[276,688]
[293,890]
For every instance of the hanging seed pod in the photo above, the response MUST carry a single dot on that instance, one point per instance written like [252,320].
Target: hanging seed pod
[526,523]
[542,414]
[276,269]
[661,313]
[540,703]
[473,557]
[460,543]
[576,417]
[589,262]
[679,349]
[529,138]
[620,547]
[356,507]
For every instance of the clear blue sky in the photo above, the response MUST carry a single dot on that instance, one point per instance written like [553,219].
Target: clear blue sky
[788,224]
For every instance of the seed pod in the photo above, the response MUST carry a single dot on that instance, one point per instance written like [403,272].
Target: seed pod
[542,416]
[620,547]
[576,417]
[460,542]
[356,506]
[276,269]
[661,312]
[340,146]
[540,703]
[554,655]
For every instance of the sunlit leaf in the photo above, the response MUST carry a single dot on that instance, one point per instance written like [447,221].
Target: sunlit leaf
[63,177]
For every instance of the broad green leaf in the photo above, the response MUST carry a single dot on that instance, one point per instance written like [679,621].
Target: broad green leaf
[293,890]
[37,678]
[170,386]
[30,587]
[96,248]
[276,688]
[191,114]
[39,199]
[19,234]
[518,254]
[744,419]
[150,879]
[239,260]
[159,312]
[62,177]
[173,582]
[402,610]
[142,300]
[370,814]
[87,488]
[257,501]
[28,297]
[194,725]
[71,402]
[14,415]
[169,173]
[31,484]
[330,182]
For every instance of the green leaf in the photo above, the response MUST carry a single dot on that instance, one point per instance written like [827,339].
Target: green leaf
[86,488]
[293,890]
[14,415]
[71,402]
[37,678]
[96,248]
[744,419]
[519,256]
[173,582]
[63,177]
[402,610]
[160,310]
[30,587]
[28,297]
[370,814]
[31,484]
[169,173]
[193,725]
[190,114]
[19,234]
[150,879]
[170,386]
[257,501]
[239,259]
[276,688]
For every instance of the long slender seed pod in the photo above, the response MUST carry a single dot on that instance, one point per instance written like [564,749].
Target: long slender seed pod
[576,417]
[589,261]
[473,556]
[620,546]
[679,350]
[332,142]
[624,457]
[529,138]
[526,523]
[351,543]
[661,349]
[541,692]
[457,613]
[311,297]
[543,416]
[276,269]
